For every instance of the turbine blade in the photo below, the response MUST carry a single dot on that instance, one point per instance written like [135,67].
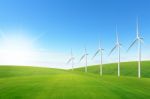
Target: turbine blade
[100,44]
[95,54]
[117,37]
[102,49]
[82,58]
[69,61]
[112,50]
[137,27]
[132,44]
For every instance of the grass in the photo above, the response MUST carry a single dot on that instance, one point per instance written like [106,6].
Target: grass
[45,83]
[126,69]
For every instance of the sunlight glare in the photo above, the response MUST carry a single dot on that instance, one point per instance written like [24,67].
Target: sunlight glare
[15,50]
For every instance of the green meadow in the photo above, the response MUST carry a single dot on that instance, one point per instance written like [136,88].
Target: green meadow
[20,82]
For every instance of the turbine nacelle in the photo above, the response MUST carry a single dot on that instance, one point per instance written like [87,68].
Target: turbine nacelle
[118,44]
[71,59]
[99,50]
[138,39]
[84,55]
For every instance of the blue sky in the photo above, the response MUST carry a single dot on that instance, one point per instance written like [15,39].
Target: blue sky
[56,26]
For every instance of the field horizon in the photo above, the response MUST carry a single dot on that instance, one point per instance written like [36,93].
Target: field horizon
[20,82]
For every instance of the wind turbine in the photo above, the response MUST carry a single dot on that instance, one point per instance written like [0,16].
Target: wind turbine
[84,56]
[138,40]
[100,50]
[71,59]
[117,46]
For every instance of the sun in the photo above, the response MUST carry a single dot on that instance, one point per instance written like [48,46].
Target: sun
[15,50]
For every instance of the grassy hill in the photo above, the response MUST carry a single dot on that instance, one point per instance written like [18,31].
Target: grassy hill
[45,83]
[126,69]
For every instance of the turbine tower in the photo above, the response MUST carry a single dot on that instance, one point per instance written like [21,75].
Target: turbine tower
[117,46]
[71,59]
[84,56]
[138,40]
[100,50]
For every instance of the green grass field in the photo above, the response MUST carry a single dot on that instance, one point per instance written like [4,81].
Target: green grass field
[126,69]
[45,83]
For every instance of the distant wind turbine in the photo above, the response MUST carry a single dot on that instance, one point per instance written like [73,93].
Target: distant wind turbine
[100,50]
[84,56]
[138,40]
[117,46]
[71,59]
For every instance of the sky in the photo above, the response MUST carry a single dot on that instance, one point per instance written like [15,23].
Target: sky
[42,32]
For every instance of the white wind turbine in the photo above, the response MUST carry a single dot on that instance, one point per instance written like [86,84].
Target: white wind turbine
[71,59]
[100,50]
[117,46]
[138,40]
[84,56]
